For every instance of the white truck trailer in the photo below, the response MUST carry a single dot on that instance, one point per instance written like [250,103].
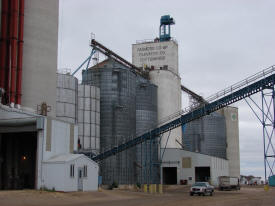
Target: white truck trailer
[229,183]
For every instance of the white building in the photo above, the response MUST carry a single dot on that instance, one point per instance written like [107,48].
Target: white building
[243,180]
[180,165]
[37,152]
[255,181]
[71,172]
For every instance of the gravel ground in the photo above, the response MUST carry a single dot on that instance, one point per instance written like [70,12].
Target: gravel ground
[173,196]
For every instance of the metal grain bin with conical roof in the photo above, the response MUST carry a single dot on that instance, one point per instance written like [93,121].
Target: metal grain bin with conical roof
[146,119]
[117,85]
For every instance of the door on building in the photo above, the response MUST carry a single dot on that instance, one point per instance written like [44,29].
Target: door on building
[18,156]
[169,175]
[202,174]
[80,179]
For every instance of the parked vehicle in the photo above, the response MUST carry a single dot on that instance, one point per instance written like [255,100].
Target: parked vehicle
[201,188]
[229,183]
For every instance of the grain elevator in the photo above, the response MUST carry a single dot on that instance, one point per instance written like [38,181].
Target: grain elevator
[161,56]
[38,105]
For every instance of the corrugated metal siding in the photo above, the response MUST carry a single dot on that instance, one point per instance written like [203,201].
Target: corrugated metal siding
[89,118]
[146,118]
[66,98]
[118,118]
[206,135]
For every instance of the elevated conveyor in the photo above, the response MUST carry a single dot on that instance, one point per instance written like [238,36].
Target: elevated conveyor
[247,87]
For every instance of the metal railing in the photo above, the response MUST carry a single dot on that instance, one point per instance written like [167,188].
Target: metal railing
[242,84]
[227,91]
[153,40]
[265,79]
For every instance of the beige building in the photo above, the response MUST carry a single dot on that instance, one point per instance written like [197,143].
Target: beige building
[40,54]
[40,42]
[162,57]
[232,139]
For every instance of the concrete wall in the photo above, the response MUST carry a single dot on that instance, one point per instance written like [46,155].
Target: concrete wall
[156,54]
[40,54]
[232,139]
[173,158]
[169,102]
[159,55]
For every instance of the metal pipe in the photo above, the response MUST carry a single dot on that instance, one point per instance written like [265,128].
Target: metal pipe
[112,54]
[7,65]
[20,53]
[18,122]
[3,42]
[197,97]
[13,35]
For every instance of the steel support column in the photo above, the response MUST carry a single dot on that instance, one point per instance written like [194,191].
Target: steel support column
[266,118]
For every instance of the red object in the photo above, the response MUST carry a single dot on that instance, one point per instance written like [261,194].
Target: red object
[13,42]
[3,42]
[7,70]
[20,52]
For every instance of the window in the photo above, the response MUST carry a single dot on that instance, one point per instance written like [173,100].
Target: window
[186,162]
[72,170]
[85,171]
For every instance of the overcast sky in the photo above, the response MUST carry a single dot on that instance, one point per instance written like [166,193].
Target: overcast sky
[220,43]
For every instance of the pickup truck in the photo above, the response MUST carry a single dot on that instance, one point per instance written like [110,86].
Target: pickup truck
[201,188]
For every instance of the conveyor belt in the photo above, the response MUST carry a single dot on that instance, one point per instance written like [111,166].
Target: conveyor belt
[239,91]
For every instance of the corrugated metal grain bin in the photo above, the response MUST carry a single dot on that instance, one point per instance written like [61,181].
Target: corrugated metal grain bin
[66,98]
[117,85]
[89,118]
[206,135]
[146,118]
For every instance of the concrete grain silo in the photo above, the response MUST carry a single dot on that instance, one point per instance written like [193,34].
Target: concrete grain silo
[161,56]
[32,51]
